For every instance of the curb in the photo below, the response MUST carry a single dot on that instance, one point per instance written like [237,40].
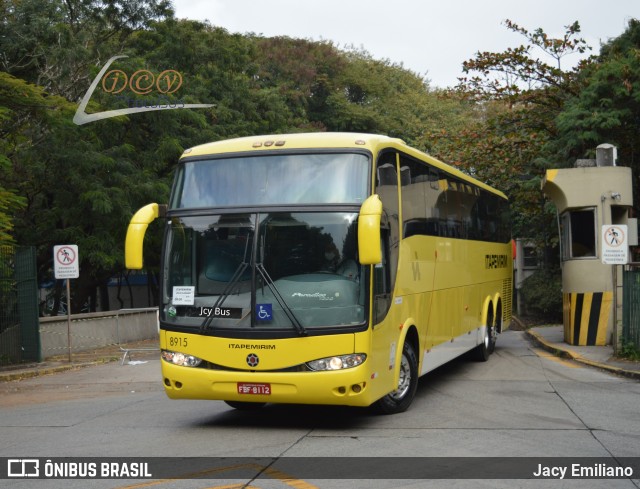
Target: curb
[552,348]
[40,371]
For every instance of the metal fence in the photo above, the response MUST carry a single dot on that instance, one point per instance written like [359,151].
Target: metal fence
[631,305]
[19,336]
[9,322]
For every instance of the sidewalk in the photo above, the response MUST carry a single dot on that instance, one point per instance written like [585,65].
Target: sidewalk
[551,338]
[113,353]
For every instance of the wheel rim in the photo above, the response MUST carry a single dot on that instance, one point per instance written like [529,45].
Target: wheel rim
[488,332]
[404,382]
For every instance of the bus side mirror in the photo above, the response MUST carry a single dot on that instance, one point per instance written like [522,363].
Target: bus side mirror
[369,249]
[135,234]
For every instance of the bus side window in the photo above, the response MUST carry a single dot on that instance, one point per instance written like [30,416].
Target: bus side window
[382,281]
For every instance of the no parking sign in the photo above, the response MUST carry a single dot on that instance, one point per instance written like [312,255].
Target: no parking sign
[66,265]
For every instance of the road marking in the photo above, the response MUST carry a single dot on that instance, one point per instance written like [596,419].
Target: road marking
[550,356]
[234,486]
[275,474]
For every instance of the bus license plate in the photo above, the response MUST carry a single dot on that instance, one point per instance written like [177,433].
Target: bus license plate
[253,388]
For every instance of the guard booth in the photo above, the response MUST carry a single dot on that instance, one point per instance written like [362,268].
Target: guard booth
[592,199]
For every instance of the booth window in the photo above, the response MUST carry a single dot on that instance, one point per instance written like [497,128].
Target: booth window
[578,228]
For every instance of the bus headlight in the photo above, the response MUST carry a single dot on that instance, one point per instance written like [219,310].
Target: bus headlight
[338,362]
[181,359]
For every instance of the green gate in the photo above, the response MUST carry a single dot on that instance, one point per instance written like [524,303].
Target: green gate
[631,306]
[19,323]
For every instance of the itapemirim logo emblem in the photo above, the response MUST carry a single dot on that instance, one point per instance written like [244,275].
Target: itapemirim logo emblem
[141,82]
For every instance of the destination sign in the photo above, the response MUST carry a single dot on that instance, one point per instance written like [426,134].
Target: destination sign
[210,312]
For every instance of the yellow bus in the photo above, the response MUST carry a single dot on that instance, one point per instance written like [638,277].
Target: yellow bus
[326,268]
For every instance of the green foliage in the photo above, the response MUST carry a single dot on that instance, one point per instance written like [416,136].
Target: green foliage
[542,294]
[519,97]
[26,114]
[607,108]
[54,43]
[629,351]
[377,96]
[518,75]
[8,202]
[69,184]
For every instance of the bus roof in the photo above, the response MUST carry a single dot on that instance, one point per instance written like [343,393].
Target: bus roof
[324,140]
[293,141]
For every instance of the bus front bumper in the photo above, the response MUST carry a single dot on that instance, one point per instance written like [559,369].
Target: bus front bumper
[348,387]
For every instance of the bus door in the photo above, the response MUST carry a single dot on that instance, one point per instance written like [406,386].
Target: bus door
[385,332]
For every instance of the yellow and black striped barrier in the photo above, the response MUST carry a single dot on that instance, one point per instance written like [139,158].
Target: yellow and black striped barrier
[586,316]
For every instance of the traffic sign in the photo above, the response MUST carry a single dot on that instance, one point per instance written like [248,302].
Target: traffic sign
[615,247]
[66,263]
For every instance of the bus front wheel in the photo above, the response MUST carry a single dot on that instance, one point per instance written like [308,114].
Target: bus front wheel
[484,349]
[400,399]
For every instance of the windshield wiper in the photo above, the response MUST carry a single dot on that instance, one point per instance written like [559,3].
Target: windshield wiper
[276,293]
[235,278]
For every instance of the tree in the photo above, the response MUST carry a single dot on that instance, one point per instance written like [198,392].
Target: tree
[518,75]
[518,97]
[74,184]
[301,74]
[26,115]
[54,43]
[607,108]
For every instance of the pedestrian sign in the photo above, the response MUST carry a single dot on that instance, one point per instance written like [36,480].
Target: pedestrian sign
[65,261]
[615,247]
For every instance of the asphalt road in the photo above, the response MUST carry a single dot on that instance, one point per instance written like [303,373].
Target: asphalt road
[523,402]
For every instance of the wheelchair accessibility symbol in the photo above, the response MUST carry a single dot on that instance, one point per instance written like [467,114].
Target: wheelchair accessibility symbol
[264,312]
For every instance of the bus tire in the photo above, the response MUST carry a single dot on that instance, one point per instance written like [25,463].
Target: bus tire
[400,399]
[497,328]
[246,406]
[484,349]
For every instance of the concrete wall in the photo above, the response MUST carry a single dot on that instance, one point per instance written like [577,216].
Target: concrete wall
[96,330]
[589,187]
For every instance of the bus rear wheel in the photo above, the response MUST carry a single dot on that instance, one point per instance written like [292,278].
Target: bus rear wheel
[400,399]
[246,406]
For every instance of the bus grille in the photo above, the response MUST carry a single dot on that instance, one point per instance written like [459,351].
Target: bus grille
[507,292]
[212,366]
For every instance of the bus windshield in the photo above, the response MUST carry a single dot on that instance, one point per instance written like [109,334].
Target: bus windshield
[289,271]
[256,180]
